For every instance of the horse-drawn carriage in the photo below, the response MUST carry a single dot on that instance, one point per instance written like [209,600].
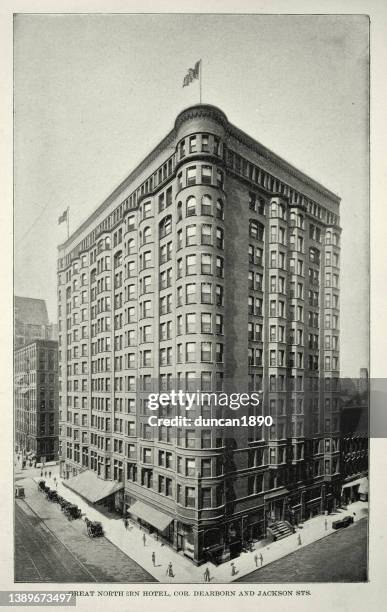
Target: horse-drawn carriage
[94,528]
[72,512]
[19,492]
[52,495]
[63,503]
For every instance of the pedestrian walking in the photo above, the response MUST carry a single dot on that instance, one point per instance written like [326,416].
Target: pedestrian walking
[126,523]
[144,539]
[45,474]
[41,474]
[207,577]
[326,525]
[233,569]
[49,474]
[261,559]
[170,570]
[299,540]
[256,560]
[153,559]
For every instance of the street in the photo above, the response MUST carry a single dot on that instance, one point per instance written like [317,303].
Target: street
[341,557]
[42,556]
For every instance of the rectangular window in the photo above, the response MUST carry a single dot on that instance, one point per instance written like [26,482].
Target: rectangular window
[206,264]
[192,144]
[206,234]
[190,293]
[191,175]
[206,174]
[206,297]
[206,323]
[206,351]
[190,323]
[219,267]
[190,264]
[190,235]
[190,497]
[206,497]
[190,352]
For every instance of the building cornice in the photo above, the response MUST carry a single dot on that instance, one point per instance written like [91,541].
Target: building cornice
[196,112]
[160,148]
[264,152]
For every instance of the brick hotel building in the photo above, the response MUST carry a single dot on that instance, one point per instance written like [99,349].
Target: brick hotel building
[214,264]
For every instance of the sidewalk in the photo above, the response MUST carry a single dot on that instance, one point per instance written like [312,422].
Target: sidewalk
[131,542]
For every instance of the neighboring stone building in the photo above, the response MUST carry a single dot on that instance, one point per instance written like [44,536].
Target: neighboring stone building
[354,429]
[36,400]
[213,265]
[31,321]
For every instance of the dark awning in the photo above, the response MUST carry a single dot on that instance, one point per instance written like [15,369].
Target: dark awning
[150,515]
[91,487]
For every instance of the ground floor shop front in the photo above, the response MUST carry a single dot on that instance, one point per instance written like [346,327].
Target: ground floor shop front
[238,532]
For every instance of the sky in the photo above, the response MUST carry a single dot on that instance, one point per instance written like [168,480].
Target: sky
[94,93]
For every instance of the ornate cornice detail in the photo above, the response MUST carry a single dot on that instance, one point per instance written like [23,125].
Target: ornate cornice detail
[202,111]
[257,147]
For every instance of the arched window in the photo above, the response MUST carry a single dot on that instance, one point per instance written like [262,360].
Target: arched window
[146,235]
[256,230]
[273,209]
[328,238]
[219,209]
[118,259]
[131,246]
[190,206]
[281,211]
[107,242]
[165,226]
[179,211]
[206,205]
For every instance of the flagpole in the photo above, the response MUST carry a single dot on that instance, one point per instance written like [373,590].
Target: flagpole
[200,80]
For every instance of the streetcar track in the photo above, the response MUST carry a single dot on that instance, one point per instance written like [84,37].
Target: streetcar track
[20,543]
[46,527]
